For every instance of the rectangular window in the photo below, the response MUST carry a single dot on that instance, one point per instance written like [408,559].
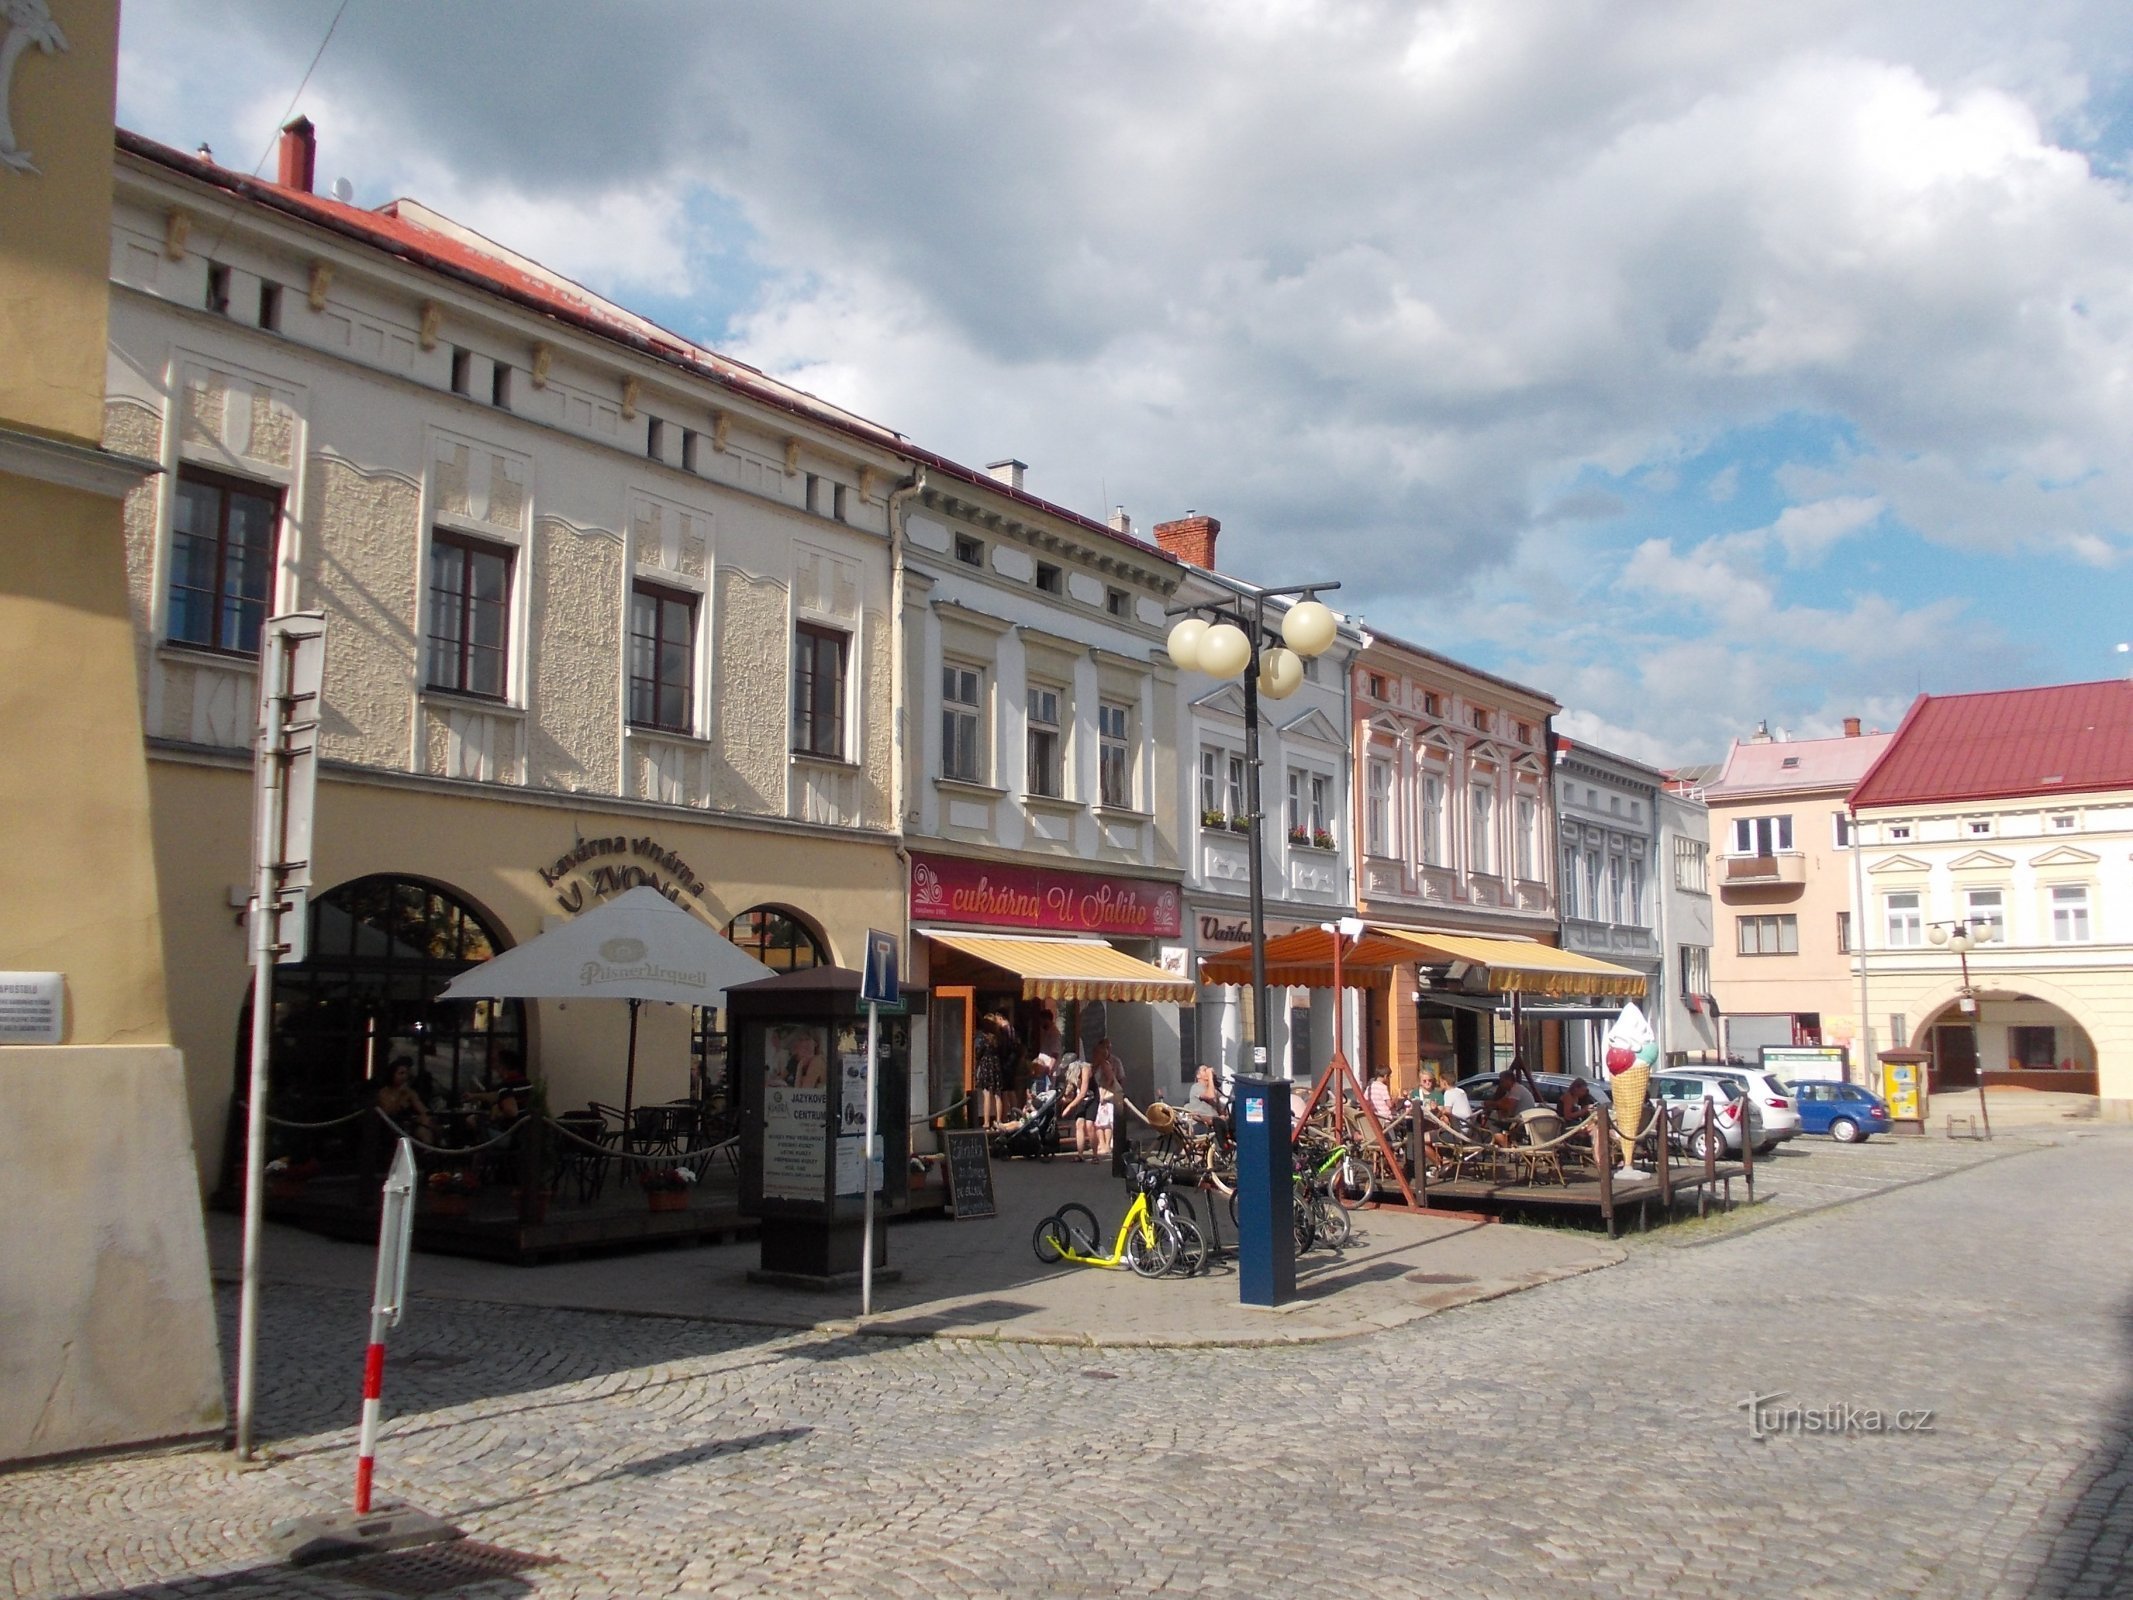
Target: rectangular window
[1844,933]
[2031,1048]
[969,551]
[470,615]
[1840,830]
[655,440]
[1049,579]
[1236,806]
[1377,809]
[1528,834]
[1432,820]
[690,439]
[1978,827]
[2063,822]
[1118,603]
[500,390]
[814,494]
[1480,720]
[1906,928]
[1617,891]
[1691,865]
[1986,905]
[1321,819]
[819,658]
[962,715]
[1570,881]
[1769,936]
[1211,794]
[1482,803]
[840,505]
[221,560]
[1114,754]
[2070,914]
[1899,831]
[462,372]
[662,658]
[1695,969]
[1297,826]
[1044,742]
[218,288]
[1593,902]
[270,306]
[1762,836]
[1636,893]
[1374,685]
[1433,705]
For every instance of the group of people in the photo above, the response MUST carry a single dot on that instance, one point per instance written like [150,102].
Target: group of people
[1090,1088]
[411,1096]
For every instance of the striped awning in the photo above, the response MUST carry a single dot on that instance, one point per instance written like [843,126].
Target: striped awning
[1070,969]
[1304,959]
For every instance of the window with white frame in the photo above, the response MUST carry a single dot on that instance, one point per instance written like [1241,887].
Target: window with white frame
[821,657]
[1692,865]
[1977,827]
[1433,788]
[1636,892]
[1212,810]
[1377,808]
[1528,835]
[1321,809]
[1762,836]
[662,659]
[1482,807]
[2070,913]
[1308,795]
[1234,784]
[1844,933]
[1769,935]
[1617,890]
[1986,905]
[1299,828]
[1593,902]
[1045,744]
[1840,829]
[1114,753]
[2062,822]
[1569,884]
[962,722]
[1695,969]
[470,611]
[1903,921]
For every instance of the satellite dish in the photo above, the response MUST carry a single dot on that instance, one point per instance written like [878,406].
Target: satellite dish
[343,190]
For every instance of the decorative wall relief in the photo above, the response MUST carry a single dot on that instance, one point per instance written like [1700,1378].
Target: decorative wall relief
[750,727]
[361,527]
[575,647]
[28,26]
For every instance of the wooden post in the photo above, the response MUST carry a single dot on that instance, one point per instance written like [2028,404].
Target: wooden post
[1607,1169]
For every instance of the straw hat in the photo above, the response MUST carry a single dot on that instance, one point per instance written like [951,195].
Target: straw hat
[1161,1117]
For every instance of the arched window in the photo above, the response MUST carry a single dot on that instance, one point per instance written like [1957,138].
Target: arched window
[381,950]
[778,939]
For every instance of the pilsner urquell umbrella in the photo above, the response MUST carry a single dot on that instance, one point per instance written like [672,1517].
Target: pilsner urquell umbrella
[638,946]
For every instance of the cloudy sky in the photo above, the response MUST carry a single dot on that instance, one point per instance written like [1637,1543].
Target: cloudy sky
[1698,363]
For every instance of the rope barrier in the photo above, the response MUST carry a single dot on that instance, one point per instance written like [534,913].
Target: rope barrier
[445,1150]
[285,1122]
[674,1159]
[949,1109]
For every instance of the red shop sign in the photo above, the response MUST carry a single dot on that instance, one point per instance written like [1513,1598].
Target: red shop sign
[952,889]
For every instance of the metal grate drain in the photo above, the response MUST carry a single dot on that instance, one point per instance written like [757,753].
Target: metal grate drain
[438,1568]
[1438,1277]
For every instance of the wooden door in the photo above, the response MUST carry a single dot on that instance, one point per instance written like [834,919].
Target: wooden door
[1954,1057]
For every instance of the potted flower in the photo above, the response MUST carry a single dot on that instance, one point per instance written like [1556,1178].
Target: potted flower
[1323,839]
[286,1179]
[1299,837]
[1240,824]
[451,1191]
[1216,820]
[667,1188]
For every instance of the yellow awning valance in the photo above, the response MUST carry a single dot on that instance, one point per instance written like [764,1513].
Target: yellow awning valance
[1304,959]
[1071,969]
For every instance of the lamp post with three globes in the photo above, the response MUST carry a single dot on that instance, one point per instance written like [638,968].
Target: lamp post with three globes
[1963,937]
[1235,640]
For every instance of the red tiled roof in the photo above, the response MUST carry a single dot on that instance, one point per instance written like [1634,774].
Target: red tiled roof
[441,252]
[2069,738]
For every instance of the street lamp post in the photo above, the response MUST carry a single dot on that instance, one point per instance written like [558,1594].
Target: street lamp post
[1239,643]
[1963,937]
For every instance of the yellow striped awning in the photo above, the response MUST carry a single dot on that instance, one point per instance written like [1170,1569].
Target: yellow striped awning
[1304,959]
[1518,966]
[1071,969]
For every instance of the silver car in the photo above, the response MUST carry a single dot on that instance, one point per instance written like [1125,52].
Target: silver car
[1732,1111]
[1772,1097]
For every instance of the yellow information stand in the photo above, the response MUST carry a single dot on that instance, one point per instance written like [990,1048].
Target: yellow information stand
[1903,1086]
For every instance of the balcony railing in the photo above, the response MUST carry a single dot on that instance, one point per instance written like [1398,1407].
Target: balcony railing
[1789,868]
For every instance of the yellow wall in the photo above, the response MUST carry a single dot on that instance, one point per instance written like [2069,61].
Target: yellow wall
[55,247]
[82,897]
[488,852]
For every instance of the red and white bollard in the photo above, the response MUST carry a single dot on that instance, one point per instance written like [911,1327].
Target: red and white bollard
[388,1295]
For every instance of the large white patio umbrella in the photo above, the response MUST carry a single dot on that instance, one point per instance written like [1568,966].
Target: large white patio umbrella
[638,946]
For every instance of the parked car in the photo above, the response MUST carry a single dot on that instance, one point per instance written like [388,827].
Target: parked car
[1734,1113]
[1772,1096]
[1844,1111]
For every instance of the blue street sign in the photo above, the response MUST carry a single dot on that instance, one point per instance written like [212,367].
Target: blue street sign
[879,982]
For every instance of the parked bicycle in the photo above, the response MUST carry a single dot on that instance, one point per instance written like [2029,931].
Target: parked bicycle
[1155,1236]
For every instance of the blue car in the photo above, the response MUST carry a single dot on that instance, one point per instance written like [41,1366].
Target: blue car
[1844,1111]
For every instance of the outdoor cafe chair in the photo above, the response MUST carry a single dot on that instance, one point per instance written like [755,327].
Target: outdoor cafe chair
[587,1169]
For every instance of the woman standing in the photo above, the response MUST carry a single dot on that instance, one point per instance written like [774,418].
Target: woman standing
[1079,1105]
[1110,1081]
[985,1071]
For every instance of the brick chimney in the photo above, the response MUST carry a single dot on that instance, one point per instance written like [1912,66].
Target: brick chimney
[299,155]
[1191,539]
[1851,727]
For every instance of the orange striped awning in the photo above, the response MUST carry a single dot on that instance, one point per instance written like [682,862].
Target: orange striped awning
[1304,959]
[1071,969]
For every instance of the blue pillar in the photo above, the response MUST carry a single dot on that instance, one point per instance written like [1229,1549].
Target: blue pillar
[1266,1194]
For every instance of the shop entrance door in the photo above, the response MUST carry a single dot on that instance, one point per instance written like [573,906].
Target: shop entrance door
[1954,1057]
[952,1014]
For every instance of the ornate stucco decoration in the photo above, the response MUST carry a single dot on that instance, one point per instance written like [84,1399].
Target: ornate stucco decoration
[27,24]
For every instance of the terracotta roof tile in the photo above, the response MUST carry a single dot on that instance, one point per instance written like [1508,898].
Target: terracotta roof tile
[2068,738]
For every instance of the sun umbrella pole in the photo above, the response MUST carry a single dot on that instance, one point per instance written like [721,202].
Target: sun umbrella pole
[629,1074]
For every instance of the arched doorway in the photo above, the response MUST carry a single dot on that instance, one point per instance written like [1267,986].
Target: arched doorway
[783,943]
[2012,1040]
[382,948]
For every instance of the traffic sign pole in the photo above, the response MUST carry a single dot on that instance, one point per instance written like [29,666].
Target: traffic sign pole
[879,985]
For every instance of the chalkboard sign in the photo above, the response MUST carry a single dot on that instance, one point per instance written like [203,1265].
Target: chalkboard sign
[969,1174]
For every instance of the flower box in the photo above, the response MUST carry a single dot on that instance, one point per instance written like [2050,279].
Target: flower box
[1240,824]
[1217,820]
[448,1203]
[666,1199]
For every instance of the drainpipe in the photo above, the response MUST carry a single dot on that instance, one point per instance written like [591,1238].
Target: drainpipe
[899,776]
[1866,1017]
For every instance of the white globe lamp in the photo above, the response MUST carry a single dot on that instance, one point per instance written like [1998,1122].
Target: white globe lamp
[1280,672]
[1224,651]
[1309,628]
[1184,644]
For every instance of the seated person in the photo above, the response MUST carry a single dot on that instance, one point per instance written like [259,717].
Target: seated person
[1209,1100]
[1379,1094]
[1453,1101]
[1577,1102]
[1043,1075]
[398,1100]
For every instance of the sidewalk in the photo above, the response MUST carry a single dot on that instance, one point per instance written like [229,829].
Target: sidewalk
[980,1279]
[2019,1108]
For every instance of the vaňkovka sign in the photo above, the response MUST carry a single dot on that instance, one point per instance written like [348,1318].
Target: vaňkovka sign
[988,894]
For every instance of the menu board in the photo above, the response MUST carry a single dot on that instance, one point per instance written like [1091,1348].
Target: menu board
[969,1174]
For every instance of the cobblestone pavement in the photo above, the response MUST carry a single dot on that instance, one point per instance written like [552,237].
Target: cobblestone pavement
[1586,1438]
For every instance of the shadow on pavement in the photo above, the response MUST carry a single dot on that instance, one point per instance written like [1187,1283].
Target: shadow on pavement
[2090,1555]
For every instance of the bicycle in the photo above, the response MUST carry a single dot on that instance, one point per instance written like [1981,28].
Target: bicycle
[1153,1238]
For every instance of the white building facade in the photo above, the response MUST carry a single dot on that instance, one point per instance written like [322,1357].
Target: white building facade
[1607,811]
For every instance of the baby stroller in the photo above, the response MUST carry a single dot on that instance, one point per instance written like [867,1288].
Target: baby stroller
[1036,1134]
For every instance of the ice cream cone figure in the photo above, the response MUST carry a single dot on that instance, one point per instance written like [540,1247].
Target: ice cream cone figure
[1629,1088]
